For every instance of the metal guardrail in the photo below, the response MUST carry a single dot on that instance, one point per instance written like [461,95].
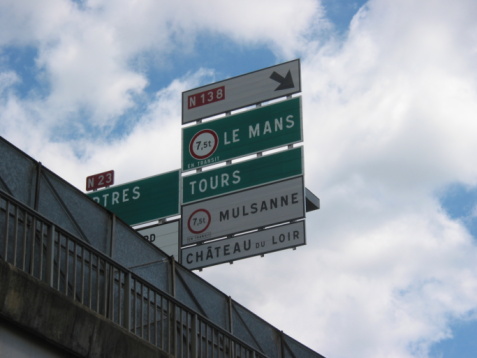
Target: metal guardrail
[35,245]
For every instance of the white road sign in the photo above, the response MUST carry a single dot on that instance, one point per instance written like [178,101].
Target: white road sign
[164,236]
[243,246]
[252,88]
[243,211]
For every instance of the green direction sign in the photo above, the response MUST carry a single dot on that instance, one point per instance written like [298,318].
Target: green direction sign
[241,134]
[242,175]
[143,200]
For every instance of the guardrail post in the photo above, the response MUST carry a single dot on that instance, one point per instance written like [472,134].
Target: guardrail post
[50,261]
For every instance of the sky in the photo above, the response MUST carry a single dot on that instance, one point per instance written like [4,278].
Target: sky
[389,91]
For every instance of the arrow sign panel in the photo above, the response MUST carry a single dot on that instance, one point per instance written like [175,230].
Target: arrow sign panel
[252,88]
[285,82]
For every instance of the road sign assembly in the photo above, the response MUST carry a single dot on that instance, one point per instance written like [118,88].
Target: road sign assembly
[250,206]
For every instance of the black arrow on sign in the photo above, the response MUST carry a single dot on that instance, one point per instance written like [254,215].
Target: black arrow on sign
[285,82]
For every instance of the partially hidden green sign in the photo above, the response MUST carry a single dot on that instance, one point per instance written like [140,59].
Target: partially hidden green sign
[242,175]
[241,134]
[143,200]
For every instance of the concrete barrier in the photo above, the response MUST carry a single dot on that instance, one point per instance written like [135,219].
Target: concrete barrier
[40,310]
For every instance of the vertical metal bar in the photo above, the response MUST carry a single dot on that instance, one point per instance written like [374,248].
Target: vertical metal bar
[50,261]
[105,288]
[127,301]
[25,229]
[74,269]
[172,328]
[98,274]
[58,263]
[213,342]
[32,247]
[199,338]
[113,232]
[232,347]
[173,276]
[181,332]
[117,303]
[282,348]
[111,292]
[141,309]
[90,281]
[193,338]
[15,233]
[40,276]
[160,321]
[7,228]
[133,306]
[111,301]
[155,318]
[16,239]
[82,274]
[37,186]
[206,340]
[163,326]
[148,312]
[230,312]
[67,264]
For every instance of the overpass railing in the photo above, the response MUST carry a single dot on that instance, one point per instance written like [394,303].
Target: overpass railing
[35,245]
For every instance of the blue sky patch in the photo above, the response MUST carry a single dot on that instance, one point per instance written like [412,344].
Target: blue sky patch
[460,203]
[22,60]
[462,345]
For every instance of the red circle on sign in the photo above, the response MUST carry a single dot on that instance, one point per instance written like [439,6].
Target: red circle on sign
[201,146]
[193,216]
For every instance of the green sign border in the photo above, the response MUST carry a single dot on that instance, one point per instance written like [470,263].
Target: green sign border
[247,174]
[235,138]
[158,198]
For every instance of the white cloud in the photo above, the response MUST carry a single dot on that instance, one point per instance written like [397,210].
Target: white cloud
[388,122]
[87,50]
